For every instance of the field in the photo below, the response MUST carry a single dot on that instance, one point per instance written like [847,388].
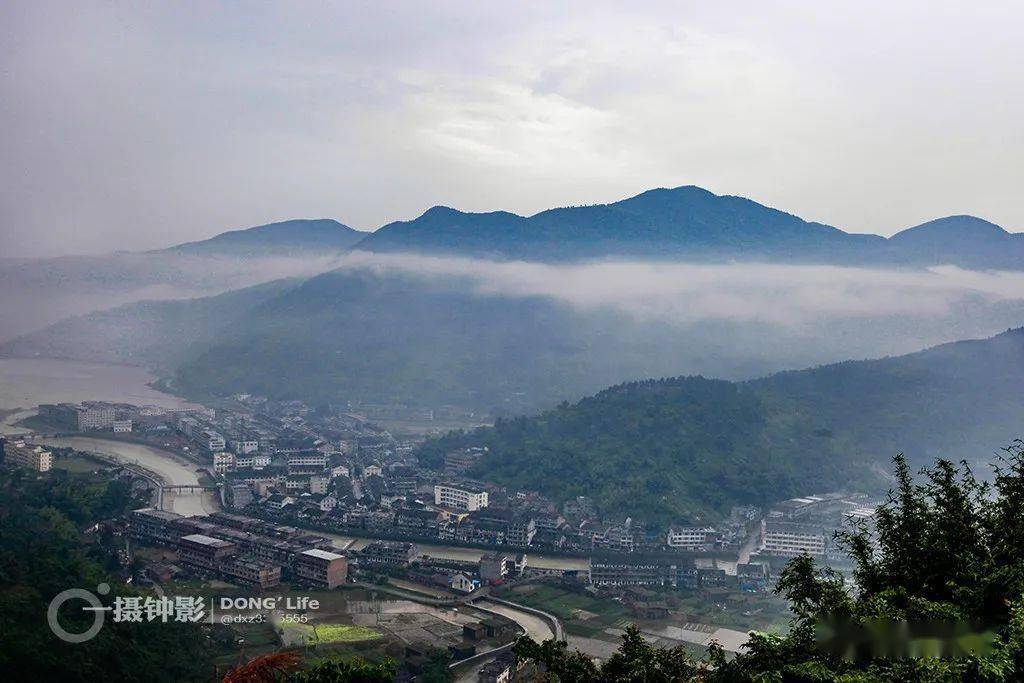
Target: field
[294,633]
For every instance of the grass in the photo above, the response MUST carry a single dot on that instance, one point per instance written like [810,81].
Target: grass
[324,634]
[77,464]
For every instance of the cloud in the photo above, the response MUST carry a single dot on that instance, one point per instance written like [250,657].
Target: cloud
[783,295]
[133,125]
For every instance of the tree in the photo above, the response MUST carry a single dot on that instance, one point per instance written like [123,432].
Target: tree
[945,550]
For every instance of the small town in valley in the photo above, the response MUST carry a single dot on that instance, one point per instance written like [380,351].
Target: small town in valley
[424,558]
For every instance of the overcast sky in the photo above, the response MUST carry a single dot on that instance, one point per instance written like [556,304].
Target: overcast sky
[136,125]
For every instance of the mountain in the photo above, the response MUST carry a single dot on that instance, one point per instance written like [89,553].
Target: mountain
[157,334]
[424,338]
[965,241]
[276,239]
[691,223]
[40,292]
[686,449]
[686,221]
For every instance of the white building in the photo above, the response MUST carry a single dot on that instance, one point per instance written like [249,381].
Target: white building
[223,462]
[245,446]
[254,461]
[96,417]
[790,538]
[122,426]
[461,583]
[459,498]
[307,459]
[212,441]
[20,454]
[690,538]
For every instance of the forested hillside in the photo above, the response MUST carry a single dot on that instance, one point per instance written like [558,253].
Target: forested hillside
[691,447]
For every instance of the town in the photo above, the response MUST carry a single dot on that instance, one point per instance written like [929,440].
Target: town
[287,464]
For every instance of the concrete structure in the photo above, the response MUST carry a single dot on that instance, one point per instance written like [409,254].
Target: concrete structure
[212,441]
[690,538]
[204,551]
[388,553]
[223,462]
[253,572]
[321,568]
[21,454]
[459,498]
[788,539]
[462,583]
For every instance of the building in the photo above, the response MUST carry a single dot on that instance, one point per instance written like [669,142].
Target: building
[495,567]
[752,577]
[122,426]
[252,571]
[319,483]
[212,441]
[253,461]
[307,459]
[788,539]
[279,501]
[241,495]
[322,568]
[96,416]
[631,574]
[152,525]
[462,583]
[460,461]
[21,454]
[691,538]
[459,498]
[223,462]
[388,553]
[521,530]
[245,446]
[204,551]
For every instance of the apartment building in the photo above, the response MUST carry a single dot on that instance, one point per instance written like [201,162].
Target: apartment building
[21,454]
[690,538]
[788,539]
[459,497]
[203,551]
[388,553]
[322,568]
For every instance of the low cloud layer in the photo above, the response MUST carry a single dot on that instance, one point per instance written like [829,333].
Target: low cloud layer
[786,295]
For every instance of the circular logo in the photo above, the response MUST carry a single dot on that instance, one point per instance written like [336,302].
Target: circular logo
[94,606]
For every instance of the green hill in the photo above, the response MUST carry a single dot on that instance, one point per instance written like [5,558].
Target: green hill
[689,447]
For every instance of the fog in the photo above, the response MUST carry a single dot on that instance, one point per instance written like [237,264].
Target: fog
[784,295]
[37,293]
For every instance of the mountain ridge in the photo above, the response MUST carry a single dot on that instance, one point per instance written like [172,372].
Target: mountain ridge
[687,222]
[685,449]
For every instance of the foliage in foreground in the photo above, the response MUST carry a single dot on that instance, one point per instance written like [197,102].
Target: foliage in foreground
[946,549]
[43,553]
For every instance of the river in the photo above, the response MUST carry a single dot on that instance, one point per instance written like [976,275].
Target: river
[172,468]
[27,382]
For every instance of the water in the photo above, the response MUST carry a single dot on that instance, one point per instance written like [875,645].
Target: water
[172,468]
[27,382]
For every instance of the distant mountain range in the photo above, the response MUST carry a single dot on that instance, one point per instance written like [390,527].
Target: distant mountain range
[688,448]
[691,223]
[277,239]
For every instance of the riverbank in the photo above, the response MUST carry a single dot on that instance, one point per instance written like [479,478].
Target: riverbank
[169,467]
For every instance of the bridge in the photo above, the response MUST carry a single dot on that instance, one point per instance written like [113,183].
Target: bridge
[183,488]
[190,488]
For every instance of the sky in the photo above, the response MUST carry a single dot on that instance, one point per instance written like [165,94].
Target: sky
[140,125]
